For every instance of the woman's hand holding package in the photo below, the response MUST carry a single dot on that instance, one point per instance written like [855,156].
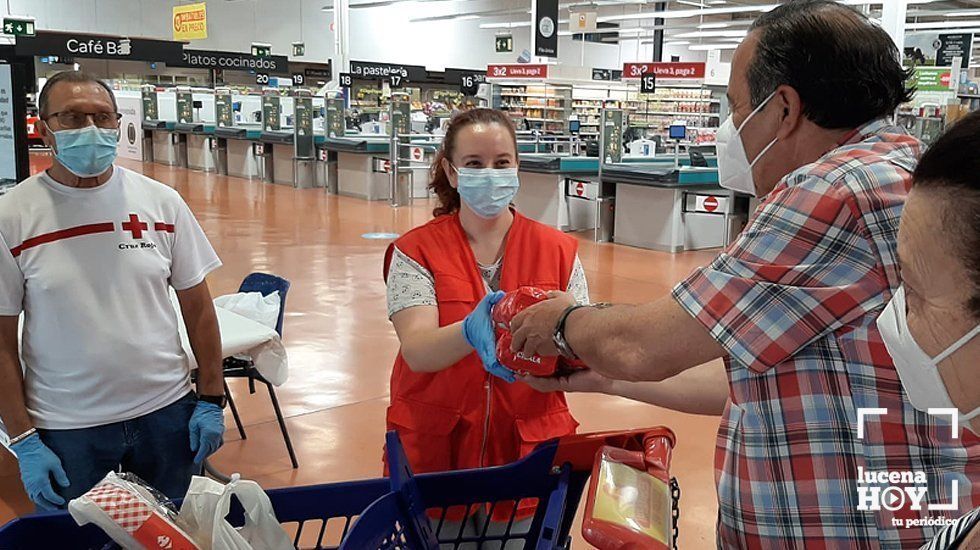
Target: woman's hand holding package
[479,333]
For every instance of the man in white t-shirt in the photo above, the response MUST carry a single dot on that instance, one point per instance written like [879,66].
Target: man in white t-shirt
[88,253]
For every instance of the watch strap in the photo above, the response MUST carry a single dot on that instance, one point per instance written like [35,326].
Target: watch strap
[563,347]
[219,400]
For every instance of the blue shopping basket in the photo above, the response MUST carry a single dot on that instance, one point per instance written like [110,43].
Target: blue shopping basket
[403,512]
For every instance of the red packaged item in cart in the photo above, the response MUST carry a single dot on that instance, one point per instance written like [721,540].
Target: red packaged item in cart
[504,312]
[130,514]
[630,501]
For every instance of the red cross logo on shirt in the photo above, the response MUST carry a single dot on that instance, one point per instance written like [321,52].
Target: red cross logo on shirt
[135,226]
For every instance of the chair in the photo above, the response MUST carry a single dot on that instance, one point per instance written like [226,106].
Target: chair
[244,368]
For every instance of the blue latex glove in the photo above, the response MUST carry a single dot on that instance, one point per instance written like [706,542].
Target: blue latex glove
[37,464]
[479,334]
[207,430]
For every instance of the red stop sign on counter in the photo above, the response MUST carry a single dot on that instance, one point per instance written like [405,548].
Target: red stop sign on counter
[710,204]
[580,189]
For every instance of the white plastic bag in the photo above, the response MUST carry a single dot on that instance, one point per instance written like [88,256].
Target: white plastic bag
[207,503]
[252,305]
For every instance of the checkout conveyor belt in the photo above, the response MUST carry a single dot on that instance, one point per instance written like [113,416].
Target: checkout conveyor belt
[158,125]
[280,137]
[356,145]
[559,164]
[197,128]
[235,132]
[658,175]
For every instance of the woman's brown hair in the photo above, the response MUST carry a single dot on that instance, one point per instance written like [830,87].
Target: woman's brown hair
[438,179]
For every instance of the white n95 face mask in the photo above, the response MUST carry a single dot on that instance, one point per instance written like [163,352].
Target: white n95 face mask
[918,372]
[734,167]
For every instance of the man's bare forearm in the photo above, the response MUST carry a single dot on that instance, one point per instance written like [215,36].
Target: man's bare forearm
[13,408]
[701,390]
[640,343]
[205,338]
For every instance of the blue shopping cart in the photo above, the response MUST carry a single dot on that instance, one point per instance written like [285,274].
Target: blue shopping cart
[405,511]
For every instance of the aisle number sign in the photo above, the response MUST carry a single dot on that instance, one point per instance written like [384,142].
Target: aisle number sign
[517,70]
[190,22]
[648,84]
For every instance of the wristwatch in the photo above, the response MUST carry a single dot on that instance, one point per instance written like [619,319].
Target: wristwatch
[559,337]
[219,400]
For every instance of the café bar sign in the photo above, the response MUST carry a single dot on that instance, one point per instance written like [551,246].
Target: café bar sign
[517,70]
[69,44]
[664,70]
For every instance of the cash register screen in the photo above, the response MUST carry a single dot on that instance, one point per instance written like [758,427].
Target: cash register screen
[677,131]
[574,126]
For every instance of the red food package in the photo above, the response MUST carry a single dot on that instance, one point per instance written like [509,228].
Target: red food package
[630,500]
[503,313]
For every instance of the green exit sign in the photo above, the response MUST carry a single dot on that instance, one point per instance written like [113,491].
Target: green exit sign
[18,27]
[261,50]
[505,43]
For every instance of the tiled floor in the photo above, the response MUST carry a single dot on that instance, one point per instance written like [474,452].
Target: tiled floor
[341,346]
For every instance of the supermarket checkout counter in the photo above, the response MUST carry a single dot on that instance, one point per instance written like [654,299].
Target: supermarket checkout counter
[242,156]
[158,134]
[565,192]
[363,165]
[277,156]
[195,145]
[548,183]
[670,209]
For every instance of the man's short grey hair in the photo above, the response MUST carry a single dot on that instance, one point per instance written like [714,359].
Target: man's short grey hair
[76,77]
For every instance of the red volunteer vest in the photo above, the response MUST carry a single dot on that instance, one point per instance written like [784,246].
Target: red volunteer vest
[462,417]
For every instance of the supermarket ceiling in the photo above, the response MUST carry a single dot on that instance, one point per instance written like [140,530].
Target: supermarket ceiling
[718,22]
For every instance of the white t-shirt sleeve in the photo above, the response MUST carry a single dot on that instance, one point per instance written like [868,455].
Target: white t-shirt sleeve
[409,284]
[11,282]
[192,255]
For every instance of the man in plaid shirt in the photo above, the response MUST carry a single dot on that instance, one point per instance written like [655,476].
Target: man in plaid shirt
[791,305]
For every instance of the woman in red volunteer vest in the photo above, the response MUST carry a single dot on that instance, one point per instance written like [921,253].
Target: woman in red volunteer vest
[443,279]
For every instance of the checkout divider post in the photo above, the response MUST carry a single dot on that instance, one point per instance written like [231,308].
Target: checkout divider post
[400,128]
[334,126]
[611,151]
[185,115]
[224,117]
[304,140]
[151,110]
[271,112]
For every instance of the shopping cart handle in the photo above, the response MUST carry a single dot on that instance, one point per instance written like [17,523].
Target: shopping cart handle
[579,450]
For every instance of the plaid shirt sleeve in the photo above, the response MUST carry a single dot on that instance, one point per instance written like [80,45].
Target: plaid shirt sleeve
[801,269]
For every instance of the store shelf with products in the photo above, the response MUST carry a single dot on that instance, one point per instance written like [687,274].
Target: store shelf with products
[699,109]
[588,102]
[541,107]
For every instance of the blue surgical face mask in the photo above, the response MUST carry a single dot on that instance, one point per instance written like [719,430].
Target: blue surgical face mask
[487,191]
[86,152]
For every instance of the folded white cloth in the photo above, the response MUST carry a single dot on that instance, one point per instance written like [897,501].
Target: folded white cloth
[243,336]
